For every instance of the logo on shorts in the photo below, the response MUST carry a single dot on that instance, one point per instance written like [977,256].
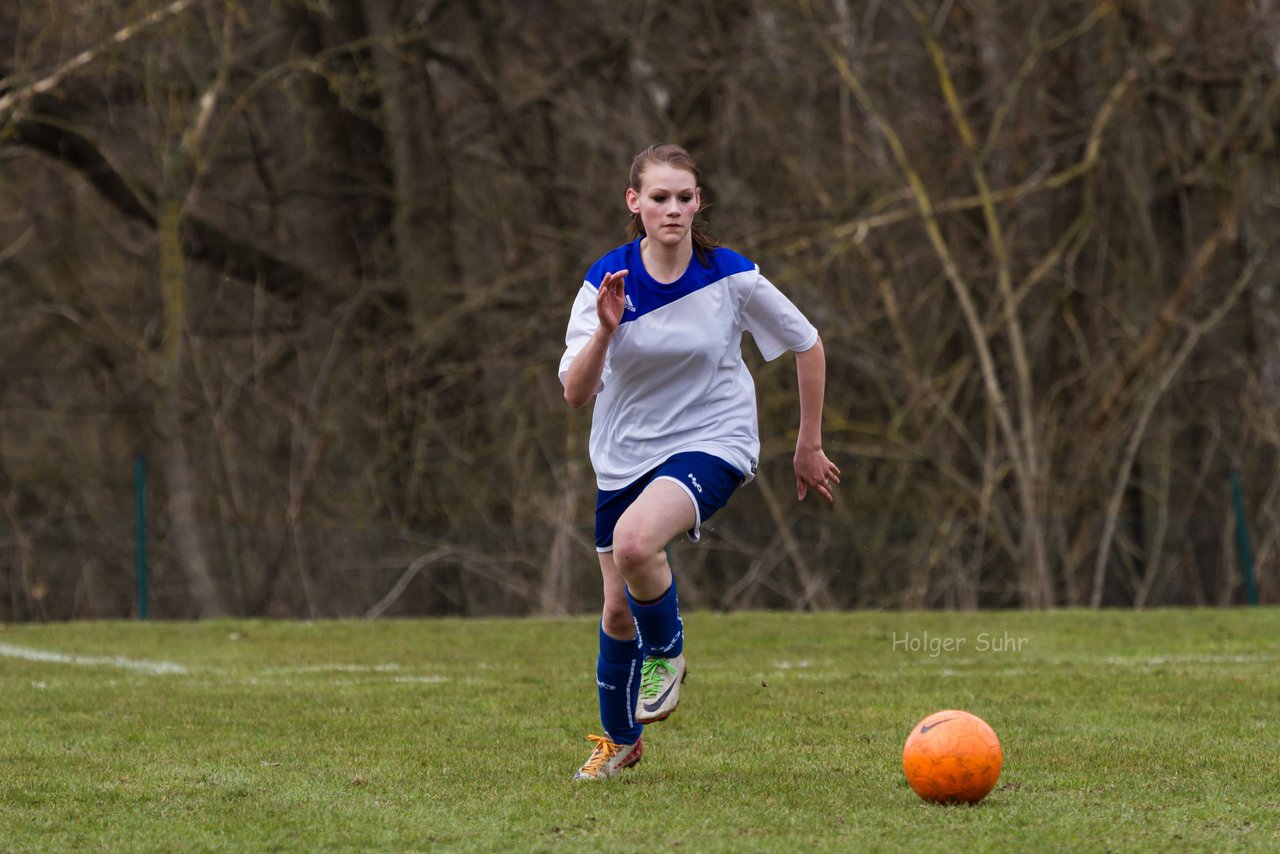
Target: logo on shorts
[695,483]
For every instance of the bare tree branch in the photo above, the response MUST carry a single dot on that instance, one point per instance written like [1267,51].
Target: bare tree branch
[1149,400]
[10,101]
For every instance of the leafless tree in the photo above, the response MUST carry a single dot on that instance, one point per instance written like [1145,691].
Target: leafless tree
[314,259]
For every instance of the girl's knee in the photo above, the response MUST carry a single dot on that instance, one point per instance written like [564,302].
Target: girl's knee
[630,553]
[616,621]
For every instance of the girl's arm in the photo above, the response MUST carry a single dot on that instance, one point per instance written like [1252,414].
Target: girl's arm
[813,469]
[586,368]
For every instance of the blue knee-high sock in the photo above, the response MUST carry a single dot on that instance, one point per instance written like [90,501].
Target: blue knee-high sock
[618,683]
[658,623]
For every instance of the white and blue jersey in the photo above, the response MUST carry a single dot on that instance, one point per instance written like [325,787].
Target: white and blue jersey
[673,378]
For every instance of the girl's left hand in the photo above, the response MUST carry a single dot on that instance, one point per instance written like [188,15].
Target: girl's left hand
[814,471]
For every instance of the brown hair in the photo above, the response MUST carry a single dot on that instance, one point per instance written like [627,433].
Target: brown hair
[676,157]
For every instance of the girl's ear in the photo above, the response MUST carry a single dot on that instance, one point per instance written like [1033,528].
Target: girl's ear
[697,197]
[633,200]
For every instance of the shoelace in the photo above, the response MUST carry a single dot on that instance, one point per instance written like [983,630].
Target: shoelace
[651,676]
[604,751]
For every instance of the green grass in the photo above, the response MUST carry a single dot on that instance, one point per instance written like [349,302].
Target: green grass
[1122,731]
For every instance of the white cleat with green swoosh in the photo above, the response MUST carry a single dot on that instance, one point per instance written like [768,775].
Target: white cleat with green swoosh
[660,680]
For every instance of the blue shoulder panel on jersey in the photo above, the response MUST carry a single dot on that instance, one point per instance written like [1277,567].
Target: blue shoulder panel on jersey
[615,260]
[644,294]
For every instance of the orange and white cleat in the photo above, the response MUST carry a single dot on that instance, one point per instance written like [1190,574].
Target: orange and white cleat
[608,758]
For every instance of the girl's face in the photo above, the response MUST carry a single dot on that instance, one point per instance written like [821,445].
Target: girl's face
[667,201]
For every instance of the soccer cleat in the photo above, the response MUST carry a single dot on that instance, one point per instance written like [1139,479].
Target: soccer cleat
[608,758]
[660,680]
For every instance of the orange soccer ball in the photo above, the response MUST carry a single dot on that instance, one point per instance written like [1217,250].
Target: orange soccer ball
[952,757]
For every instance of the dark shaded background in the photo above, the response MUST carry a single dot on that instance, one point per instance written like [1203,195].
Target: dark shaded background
[314,259]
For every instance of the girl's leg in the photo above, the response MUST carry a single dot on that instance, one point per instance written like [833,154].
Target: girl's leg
[617,682]
[661,512]
[618,666]
[640,538]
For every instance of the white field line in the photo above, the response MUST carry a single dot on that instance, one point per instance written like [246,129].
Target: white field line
[1162,660]
[158,668]
[1173,663]
[422,680]
[332,668]
[168,668]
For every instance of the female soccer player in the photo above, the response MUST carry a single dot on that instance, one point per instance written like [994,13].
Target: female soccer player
[655,335]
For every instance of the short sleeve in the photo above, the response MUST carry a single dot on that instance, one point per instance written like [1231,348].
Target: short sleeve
[582,325]
[774,321]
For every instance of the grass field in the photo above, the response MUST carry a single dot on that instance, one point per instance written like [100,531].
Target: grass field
[1122,731]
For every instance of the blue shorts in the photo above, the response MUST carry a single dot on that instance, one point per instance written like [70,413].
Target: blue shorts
[707,479]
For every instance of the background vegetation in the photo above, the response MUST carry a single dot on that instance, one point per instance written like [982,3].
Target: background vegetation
[314,258]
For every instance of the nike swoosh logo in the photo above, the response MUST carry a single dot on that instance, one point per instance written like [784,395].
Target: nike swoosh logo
[657,704]
[924,728]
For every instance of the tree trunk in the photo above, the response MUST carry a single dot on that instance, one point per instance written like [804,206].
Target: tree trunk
[179,476]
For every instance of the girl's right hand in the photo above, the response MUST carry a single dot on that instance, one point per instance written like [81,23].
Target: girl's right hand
[611,300]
